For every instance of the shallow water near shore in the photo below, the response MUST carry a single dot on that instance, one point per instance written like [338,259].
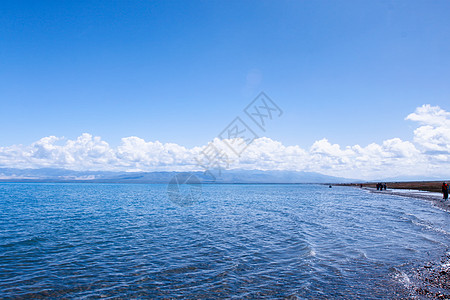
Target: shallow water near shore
[242,241]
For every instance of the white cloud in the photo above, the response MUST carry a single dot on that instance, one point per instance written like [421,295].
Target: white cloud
[434,134]
[426,155]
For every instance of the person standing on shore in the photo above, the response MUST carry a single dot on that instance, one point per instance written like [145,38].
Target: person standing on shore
[445,190]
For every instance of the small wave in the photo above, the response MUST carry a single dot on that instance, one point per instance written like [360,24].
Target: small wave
[428,226]
[403,278]
[31,241]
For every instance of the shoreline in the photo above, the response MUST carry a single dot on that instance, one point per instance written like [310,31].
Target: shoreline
[433,197]
[425,190]
[432,279]
[428,186]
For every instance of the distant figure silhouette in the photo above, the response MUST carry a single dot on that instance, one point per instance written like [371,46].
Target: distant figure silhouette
[379,186]
[445,190]
[384,186]
[330,186]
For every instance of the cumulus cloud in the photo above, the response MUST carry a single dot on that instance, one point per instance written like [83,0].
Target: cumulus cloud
[427,154]
[434,133]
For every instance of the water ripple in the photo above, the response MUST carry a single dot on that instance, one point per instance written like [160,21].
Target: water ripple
[239,241]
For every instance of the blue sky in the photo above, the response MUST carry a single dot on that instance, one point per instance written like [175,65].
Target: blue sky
[180,71]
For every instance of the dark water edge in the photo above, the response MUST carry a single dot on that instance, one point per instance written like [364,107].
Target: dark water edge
[245,241]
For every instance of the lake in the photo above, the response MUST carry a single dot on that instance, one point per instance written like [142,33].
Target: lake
[81,240]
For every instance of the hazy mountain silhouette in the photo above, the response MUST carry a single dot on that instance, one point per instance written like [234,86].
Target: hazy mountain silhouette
[229,176]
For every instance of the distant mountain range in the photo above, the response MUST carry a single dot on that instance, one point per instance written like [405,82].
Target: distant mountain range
[228,176]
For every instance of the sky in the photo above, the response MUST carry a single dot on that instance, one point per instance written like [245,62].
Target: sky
[144,85]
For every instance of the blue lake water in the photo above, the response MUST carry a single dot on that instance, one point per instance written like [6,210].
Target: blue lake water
[241,241]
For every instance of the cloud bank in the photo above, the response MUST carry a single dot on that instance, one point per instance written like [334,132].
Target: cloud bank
[427,155]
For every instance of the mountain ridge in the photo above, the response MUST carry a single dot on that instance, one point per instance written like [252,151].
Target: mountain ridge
[227,176]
